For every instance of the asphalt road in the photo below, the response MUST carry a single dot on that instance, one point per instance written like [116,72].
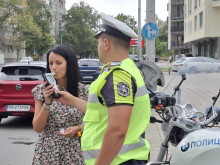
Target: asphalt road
[17,141]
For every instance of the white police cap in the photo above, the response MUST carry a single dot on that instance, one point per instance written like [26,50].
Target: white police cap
[115,28]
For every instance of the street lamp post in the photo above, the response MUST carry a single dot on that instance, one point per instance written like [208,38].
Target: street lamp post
[139,51]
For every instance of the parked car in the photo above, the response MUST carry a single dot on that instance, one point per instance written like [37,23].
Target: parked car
[197,64]
[26,59]
[185,55]
[16,82]
[177,65]
[133,57]
[89,69]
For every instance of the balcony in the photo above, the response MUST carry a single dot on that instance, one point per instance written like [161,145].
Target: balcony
[177,45]
[177,2]
[216,3]
[177,16]
[177,29]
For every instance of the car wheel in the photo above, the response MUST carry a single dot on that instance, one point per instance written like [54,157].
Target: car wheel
[218,70]
[193,69]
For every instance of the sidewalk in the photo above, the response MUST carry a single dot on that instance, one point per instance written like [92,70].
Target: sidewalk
[154,133]
[155,137]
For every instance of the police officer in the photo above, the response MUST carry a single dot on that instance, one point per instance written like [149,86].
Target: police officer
[118,108]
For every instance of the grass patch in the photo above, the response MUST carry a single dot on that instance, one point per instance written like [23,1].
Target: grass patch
[165,69]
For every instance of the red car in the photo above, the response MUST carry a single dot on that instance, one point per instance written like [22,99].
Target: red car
[16,82]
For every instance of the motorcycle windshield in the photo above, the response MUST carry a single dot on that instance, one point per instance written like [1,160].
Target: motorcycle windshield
[195,84]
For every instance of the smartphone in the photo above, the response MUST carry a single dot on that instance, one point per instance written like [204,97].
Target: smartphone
[51,81]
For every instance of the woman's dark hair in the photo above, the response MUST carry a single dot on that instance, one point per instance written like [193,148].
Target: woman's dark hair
[72,74]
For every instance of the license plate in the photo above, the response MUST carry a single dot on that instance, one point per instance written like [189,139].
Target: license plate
[18,107]
[88,77]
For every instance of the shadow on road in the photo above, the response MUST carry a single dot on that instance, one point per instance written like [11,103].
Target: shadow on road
[16,122]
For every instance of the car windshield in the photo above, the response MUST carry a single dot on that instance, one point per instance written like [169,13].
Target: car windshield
[89,63]
[24,70]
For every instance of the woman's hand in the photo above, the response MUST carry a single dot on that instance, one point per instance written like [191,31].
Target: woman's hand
[47,92]
[70,131]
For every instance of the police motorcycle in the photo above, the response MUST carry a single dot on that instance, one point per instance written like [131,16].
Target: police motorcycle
[186,122]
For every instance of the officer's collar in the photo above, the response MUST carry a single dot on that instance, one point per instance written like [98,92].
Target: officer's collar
[108,66]
[115,63]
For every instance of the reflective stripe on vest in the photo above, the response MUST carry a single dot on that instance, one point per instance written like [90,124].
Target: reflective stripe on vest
[93,154]
[141,91]
[93,98]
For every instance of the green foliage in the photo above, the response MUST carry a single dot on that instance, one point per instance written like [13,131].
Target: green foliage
[41,18]
[29,22]
[7,10]
[81,23]
[161,40]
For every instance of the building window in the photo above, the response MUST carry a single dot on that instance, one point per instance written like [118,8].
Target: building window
[195,23]
[201,20]
[195,4]
[178,11]
[189,6]
[190,28]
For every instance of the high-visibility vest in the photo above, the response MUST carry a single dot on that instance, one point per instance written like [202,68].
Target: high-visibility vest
[96,119]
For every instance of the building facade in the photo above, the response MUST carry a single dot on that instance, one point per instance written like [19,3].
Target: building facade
[57,8]
[7,51]
[176,28]
[202,27]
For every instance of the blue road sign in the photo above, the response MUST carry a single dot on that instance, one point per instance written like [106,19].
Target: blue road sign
[150,30]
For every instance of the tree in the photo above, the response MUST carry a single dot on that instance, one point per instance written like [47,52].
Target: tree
[162,39]
[81,23]
[30,24]
[7,10]
[41,17]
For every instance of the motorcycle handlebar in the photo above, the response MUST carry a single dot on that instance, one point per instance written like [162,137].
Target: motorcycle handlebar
[162,99]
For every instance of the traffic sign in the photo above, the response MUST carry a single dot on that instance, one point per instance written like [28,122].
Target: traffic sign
[150,30]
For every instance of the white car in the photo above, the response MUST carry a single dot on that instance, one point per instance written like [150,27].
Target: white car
[185,55]
[177,65]
[196,65]
[26,59]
